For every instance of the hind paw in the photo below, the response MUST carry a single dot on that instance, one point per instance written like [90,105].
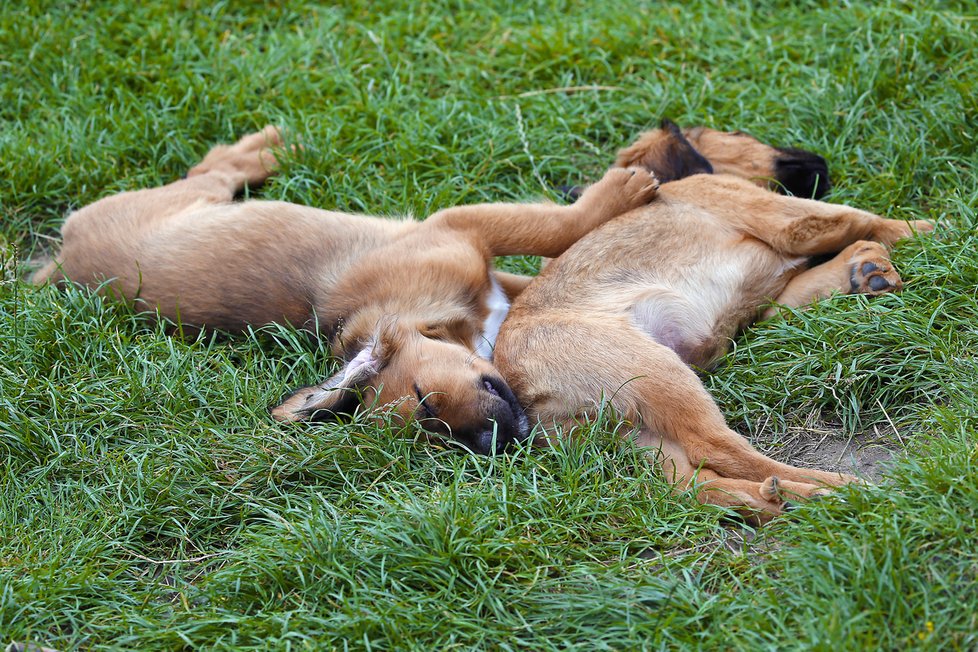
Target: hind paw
[870,270]
[790,492]
[252,157]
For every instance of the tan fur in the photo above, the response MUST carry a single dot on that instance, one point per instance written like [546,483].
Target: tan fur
[735,153]
[623,315]
[402,302]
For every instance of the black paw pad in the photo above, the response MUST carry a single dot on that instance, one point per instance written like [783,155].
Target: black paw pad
[868,268]
[878,283]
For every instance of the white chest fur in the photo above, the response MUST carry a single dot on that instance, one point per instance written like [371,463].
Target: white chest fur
[498,308]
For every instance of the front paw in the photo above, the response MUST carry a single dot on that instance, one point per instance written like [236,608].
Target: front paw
[892,231]
[922,226]
[620,190]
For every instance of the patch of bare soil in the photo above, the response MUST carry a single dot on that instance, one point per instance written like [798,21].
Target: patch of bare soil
[865,455]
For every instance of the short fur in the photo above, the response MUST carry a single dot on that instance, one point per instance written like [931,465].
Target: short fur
[403,303]
[676,154]
[625,313]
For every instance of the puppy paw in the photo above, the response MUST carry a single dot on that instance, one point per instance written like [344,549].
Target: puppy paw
[890,232]
[922,226]
[252,157]
[621,190]
[771,490]
[779,491]
[870,270]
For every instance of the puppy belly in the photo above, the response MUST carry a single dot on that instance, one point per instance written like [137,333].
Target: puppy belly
[673,321]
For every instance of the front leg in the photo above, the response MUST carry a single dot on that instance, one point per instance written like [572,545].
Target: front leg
[545,229]
[790,225]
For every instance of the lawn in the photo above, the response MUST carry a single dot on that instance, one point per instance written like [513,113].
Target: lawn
[148,502]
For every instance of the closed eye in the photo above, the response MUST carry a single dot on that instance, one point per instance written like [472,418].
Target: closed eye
[427,412]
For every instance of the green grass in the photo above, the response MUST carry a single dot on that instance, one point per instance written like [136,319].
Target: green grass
[147,501]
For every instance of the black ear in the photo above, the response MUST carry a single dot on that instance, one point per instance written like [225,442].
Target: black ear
[682,159]
[340,394]
[666,153]
[801,173]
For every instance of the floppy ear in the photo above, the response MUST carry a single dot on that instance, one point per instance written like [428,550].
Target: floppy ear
[338,395]
[452,329]
[666,153]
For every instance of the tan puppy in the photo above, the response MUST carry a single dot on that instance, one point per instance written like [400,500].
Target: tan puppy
[409,306]
[623,314]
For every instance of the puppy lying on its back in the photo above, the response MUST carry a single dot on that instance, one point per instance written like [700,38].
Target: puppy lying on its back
[622,314]
[407,305]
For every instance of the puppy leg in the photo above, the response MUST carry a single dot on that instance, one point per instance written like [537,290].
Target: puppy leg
[93,233]
[548,229]
[559,364]
[512,284]
[249,161]
[816,228]
[672,401]
[791,225]
[861,268]
[757,501]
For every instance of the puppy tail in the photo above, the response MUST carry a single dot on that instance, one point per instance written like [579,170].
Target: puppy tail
[47,270]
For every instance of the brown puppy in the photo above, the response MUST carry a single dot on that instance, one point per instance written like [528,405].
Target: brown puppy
[409,306]
[623,314]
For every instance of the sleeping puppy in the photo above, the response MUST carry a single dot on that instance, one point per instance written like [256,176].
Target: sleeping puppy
[624,315]
[676,153]
[412,308]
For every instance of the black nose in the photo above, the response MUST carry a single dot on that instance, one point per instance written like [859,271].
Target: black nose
[803,174]
[493,442]
[505,413]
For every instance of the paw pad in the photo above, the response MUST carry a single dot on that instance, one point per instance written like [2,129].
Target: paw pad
[871,273]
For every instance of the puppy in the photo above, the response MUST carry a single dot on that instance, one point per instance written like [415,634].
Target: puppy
[625,313]
[412,308]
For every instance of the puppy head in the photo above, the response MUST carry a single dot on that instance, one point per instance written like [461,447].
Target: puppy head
[795,171]
[674,154]
[442,385]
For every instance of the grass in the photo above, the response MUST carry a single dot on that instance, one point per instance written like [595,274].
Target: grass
[146,500]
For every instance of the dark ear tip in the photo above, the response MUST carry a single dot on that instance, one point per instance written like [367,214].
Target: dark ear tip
[669,125]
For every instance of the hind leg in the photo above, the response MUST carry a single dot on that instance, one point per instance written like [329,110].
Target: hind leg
[114,224]
[249,161]
[757,500]
[561,365]
[674,405]
[861,268]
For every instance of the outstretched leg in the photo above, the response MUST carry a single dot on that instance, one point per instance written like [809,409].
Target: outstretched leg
[114,221]
[791,225]
[249,161]
[512,284]
[759,501]
[560,364]
[861,268]
[545,229]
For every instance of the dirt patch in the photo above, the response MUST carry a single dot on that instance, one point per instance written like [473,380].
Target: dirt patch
[865,455]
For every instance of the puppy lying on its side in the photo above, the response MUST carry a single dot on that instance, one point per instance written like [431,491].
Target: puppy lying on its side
[624,313]
[409,306]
